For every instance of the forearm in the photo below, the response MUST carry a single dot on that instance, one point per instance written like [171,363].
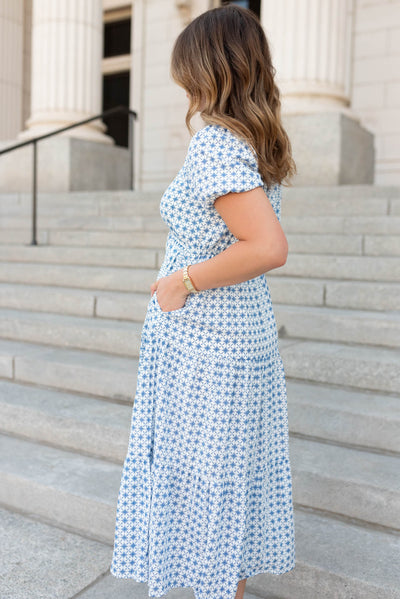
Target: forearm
[241,261]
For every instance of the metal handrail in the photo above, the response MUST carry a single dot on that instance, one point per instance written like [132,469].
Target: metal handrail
[132,115]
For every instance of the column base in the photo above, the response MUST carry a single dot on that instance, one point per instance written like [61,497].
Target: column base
[65,163]
[330,149]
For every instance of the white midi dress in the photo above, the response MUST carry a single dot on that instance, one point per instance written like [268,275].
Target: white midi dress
[206,490]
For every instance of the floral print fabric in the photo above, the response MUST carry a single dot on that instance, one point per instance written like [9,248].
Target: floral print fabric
[206,490]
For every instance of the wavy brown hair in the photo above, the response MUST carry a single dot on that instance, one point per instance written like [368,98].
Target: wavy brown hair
[222,59]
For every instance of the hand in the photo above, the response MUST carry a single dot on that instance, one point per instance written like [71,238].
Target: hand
[171,291]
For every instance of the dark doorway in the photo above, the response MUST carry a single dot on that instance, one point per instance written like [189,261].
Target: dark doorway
[115,92]
[117,38]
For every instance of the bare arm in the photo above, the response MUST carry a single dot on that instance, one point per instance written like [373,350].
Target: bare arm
[262,244]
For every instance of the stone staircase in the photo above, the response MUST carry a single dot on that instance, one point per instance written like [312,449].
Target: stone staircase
[71,314]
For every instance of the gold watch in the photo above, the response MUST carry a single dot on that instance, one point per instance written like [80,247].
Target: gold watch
[188,281]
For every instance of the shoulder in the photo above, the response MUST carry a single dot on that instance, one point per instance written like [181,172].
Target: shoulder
[215,142]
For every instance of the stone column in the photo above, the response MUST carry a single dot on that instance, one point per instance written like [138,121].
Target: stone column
[67,44]
[11,67]
[311,46]
[311,43]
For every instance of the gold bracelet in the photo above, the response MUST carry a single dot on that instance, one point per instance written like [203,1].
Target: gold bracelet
[188,281]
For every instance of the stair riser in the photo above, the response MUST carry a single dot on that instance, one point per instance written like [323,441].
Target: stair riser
[131,307]
[124,239]
[117,257]
[357,295]
[89,222]
[354,429]
[342,225]
[336,369]
[361,268]
[122,279]
[79,514]
[116,342]
[357,245]
[110,386]
[347,498]
[337,328]
[104,442]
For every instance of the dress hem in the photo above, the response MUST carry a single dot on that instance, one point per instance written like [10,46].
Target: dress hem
[137,578]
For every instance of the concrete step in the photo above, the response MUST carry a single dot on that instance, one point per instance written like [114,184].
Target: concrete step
[101,428]
[82,277]
[335,560]
[79,332]
[126,239]
[382,245]
[353,483]
[84,256]
[342,225]
[65,488]
[334,324]
[133,223]
[368,368]
[358,295]
[47,562]
[87,425]
[331,243]
[367,268]
[75,302]
[83,202]
[334,201]
[80,493]
[360,419]
[93,373]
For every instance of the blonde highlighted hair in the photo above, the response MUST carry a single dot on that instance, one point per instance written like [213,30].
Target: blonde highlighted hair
[222,59]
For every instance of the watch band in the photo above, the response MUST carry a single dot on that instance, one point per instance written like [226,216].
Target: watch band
[188,281]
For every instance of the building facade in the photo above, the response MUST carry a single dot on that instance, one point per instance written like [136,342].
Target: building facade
[63,61]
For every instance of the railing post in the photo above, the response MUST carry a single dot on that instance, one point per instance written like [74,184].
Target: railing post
[34,193]
[130,128]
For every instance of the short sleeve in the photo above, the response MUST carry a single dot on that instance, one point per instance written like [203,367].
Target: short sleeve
[221,163]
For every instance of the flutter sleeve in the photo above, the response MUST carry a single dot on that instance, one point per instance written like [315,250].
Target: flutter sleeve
[220,164]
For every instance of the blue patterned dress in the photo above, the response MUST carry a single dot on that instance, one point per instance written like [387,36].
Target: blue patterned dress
[206,489]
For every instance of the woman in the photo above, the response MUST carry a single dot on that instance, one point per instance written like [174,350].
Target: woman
[205,498]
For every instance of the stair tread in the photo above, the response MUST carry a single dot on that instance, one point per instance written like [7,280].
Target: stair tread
[38,552]
[351,401]
[79,358]
[342,351]
[346,464]
[49,318]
